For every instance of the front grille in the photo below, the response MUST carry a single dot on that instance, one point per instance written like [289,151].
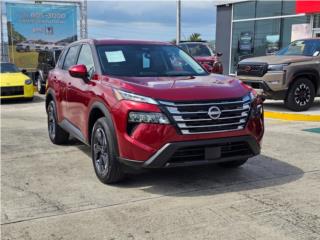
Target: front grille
[250,69]
[198,153]
[193,117]
[10,91]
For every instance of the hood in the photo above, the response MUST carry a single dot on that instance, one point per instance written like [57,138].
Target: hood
[191,88]
[275,59]
[12,79]
[204,59]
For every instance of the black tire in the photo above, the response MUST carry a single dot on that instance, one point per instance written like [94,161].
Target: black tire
[233,164]
[56,134]
[104,155]
[40,86]
[300,96]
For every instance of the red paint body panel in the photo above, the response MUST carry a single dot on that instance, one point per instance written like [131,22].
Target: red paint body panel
[75,98]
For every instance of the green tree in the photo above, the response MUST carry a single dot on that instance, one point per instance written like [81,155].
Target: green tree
[194,37]
[13,35]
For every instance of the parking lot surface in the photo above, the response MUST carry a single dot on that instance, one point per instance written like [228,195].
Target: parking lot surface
[51,192]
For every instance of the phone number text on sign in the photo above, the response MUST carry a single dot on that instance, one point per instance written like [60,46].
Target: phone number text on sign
[48,15]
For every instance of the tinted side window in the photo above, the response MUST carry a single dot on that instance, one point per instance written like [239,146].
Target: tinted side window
[61,58]
[85,58]
[70,57]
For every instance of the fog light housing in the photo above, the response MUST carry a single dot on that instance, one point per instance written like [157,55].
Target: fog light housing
[148,117]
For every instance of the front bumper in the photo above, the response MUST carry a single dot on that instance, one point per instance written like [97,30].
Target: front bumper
[200,152]
[270,85]
[11,92]
[147,139]
[263,89]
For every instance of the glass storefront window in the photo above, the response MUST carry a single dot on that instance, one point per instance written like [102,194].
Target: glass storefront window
[288,7]
[286,31]
[268,8]
[242,42]
[267,37]
[316,21]
[244,10]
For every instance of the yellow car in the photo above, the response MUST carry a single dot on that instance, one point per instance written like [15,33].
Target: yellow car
[14,84]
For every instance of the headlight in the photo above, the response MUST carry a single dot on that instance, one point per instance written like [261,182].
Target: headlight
[250,97]
[133,97]
[276,67]
[148,117]
[28,81]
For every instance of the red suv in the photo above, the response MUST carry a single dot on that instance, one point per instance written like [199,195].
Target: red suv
[149,105]
[203,54]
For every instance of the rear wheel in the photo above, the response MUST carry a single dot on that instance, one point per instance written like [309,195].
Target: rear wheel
[300,95]
[104,156]
[56,134]
[233,164]
[40,86]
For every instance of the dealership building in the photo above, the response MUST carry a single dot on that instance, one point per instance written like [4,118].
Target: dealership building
[255,28]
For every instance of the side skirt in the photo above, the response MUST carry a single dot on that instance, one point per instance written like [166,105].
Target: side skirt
[73,130]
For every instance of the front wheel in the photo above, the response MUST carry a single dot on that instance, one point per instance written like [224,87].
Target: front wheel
[104,156]
[301,95]
[233,164]
[41,87]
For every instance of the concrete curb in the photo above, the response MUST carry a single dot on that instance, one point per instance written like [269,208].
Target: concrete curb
[292,116]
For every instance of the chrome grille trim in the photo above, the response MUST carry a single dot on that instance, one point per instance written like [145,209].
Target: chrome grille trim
[197,104]
[183,125]
[193,118]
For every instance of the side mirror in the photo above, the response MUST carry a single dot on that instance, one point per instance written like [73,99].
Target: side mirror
[24,71]
[219,54]
[79,71]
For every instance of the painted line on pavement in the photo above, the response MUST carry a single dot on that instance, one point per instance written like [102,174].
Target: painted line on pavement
[292,116]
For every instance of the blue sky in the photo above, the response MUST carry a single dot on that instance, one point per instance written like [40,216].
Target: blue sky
[150,20]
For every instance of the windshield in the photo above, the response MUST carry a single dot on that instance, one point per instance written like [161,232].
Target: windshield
[301,48]
[147,61]
[197,50]
[8,68]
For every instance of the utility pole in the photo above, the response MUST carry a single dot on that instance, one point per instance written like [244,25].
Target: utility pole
[2,43]
[83,19]
[178,34]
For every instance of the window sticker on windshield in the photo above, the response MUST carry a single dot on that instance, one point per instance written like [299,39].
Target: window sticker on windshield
[115,56]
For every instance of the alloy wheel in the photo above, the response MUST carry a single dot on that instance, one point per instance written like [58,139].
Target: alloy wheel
[302,94]
[39,84]
[51,121]
[100,151]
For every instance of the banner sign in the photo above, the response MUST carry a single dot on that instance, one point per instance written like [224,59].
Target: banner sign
[38,27]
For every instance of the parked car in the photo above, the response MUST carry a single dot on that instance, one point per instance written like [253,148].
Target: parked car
[149,105]
[201,52]
[47,60]
[13,83]
[292,74]
[27,46]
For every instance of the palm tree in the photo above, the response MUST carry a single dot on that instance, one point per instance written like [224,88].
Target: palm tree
[194,37]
